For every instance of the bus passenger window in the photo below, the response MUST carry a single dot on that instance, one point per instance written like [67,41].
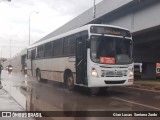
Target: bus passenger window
[33,54]
[72,45]
[65,49]
[57,48]
[69,45]
[48,49]
[40,51]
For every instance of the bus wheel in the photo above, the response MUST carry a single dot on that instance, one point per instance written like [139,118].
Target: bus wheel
[70,81]
[38,75]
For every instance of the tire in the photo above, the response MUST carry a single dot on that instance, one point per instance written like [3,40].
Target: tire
[69,81]
[38,75]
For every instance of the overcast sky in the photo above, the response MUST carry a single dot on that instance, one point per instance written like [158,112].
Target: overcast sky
[14,20]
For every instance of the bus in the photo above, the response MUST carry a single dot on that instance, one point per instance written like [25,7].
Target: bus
[94,55]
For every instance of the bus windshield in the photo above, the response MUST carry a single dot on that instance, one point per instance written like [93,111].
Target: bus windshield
[116,48]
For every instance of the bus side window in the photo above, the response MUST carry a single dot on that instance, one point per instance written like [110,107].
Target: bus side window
[40,51]
[69,45]
[33,54]
[48,49]
[57,47]
[65,46]
[72,45]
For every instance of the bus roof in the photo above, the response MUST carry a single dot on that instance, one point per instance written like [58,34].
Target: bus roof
[85,27]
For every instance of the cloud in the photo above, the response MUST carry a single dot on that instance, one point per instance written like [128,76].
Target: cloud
[52,14]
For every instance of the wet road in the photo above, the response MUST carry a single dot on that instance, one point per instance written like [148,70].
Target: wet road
[47,96]
[11,98]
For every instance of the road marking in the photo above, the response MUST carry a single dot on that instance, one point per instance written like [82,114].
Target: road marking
[136,103]
[143,89]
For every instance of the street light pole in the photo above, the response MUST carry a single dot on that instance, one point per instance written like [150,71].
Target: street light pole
[94,9]
[29,24]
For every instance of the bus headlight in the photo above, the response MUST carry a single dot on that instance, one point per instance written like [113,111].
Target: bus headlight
[131,73]
[94,73]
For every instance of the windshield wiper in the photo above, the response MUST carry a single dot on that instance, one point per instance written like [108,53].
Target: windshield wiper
[79,62]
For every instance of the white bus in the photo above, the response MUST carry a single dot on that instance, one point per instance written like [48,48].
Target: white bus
[95,55]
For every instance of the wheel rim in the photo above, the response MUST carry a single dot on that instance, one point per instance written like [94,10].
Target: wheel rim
[38,76]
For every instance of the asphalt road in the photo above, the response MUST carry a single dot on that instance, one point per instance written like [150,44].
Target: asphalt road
[48,96]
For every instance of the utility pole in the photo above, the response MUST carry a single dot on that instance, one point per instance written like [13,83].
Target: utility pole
[5,0]
[30,26]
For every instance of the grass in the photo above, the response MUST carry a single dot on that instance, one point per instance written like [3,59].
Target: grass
[147,82]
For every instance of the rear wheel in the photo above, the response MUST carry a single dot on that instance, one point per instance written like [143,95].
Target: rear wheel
[38,75]
[69,81]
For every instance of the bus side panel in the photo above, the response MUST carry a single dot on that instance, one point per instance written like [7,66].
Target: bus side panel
[53,68]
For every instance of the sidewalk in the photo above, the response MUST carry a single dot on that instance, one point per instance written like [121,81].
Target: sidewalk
[7,103]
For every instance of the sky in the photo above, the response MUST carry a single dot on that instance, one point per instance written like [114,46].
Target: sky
[45,17]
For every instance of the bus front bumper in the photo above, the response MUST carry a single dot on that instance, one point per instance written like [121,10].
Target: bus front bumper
[106,82]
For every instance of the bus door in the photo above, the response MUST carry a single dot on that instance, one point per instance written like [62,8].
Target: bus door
[81,60]
[31,57]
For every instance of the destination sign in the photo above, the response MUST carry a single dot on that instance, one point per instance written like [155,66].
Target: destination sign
[107,60]
[109,31]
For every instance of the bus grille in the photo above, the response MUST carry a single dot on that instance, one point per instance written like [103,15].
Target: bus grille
[115,82]
[115,73]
